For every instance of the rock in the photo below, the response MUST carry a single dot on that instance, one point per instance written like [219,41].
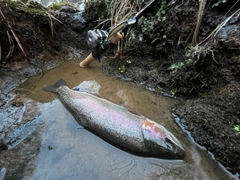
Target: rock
[3,146]
[72,18]
[3,173]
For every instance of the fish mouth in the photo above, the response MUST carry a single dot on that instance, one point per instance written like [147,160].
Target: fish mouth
[160,142]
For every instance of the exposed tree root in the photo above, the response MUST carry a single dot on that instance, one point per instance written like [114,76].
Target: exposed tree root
[202,6]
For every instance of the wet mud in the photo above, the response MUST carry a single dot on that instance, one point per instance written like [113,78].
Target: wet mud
[206,76]
[209,118]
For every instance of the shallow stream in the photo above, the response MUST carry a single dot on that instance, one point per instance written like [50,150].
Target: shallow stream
[51,145]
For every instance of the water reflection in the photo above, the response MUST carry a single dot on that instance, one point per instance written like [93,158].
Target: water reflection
[70,152]
[67,151]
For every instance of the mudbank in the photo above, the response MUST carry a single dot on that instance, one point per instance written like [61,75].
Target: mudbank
[204,75]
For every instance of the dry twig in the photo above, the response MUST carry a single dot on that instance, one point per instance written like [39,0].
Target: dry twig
[232,7]
[121,10]
[219,27]
[0,52]
[12,46]
[16,38]
[2,13]
[51,18]
[10,38]
[202,6]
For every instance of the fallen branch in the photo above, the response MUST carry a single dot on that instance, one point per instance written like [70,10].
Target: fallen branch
[16,38]
[12,46]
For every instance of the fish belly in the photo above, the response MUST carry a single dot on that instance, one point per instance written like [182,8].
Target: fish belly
[109,121]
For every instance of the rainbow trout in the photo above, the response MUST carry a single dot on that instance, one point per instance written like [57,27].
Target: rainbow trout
[118,126]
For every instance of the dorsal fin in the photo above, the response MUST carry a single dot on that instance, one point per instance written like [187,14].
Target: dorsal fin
[133,111]
[91,87]
[96,94]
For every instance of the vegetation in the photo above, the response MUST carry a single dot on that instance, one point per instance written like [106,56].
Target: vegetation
[219,2]
[30,7]
[237,129]
[123,67]
[12,30]
[58,5]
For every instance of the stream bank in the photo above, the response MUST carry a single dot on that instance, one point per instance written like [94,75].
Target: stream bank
[209,89]
[205,76]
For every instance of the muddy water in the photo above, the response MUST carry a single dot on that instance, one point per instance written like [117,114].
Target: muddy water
[59,148]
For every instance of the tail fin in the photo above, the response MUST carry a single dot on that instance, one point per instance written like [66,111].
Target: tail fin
[53,87]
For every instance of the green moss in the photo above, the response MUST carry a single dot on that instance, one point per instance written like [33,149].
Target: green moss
[95,10]
[237,129]
[28,7]
[57,6]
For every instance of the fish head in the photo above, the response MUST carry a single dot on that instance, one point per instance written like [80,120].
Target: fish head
[160,142]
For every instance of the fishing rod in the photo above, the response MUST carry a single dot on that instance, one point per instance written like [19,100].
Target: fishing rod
[102,40]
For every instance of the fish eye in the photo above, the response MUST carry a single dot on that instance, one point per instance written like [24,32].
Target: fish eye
[76,89]
[169,143]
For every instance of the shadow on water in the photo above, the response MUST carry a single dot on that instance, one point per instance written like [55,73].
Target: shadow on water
[60,148]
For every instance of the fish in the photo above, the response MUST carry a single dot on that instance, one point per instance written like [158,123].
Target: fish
[117,125]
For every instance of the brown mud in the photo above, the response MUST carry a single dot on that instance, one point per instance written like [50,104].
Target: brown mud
[208,87]
[205,76]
